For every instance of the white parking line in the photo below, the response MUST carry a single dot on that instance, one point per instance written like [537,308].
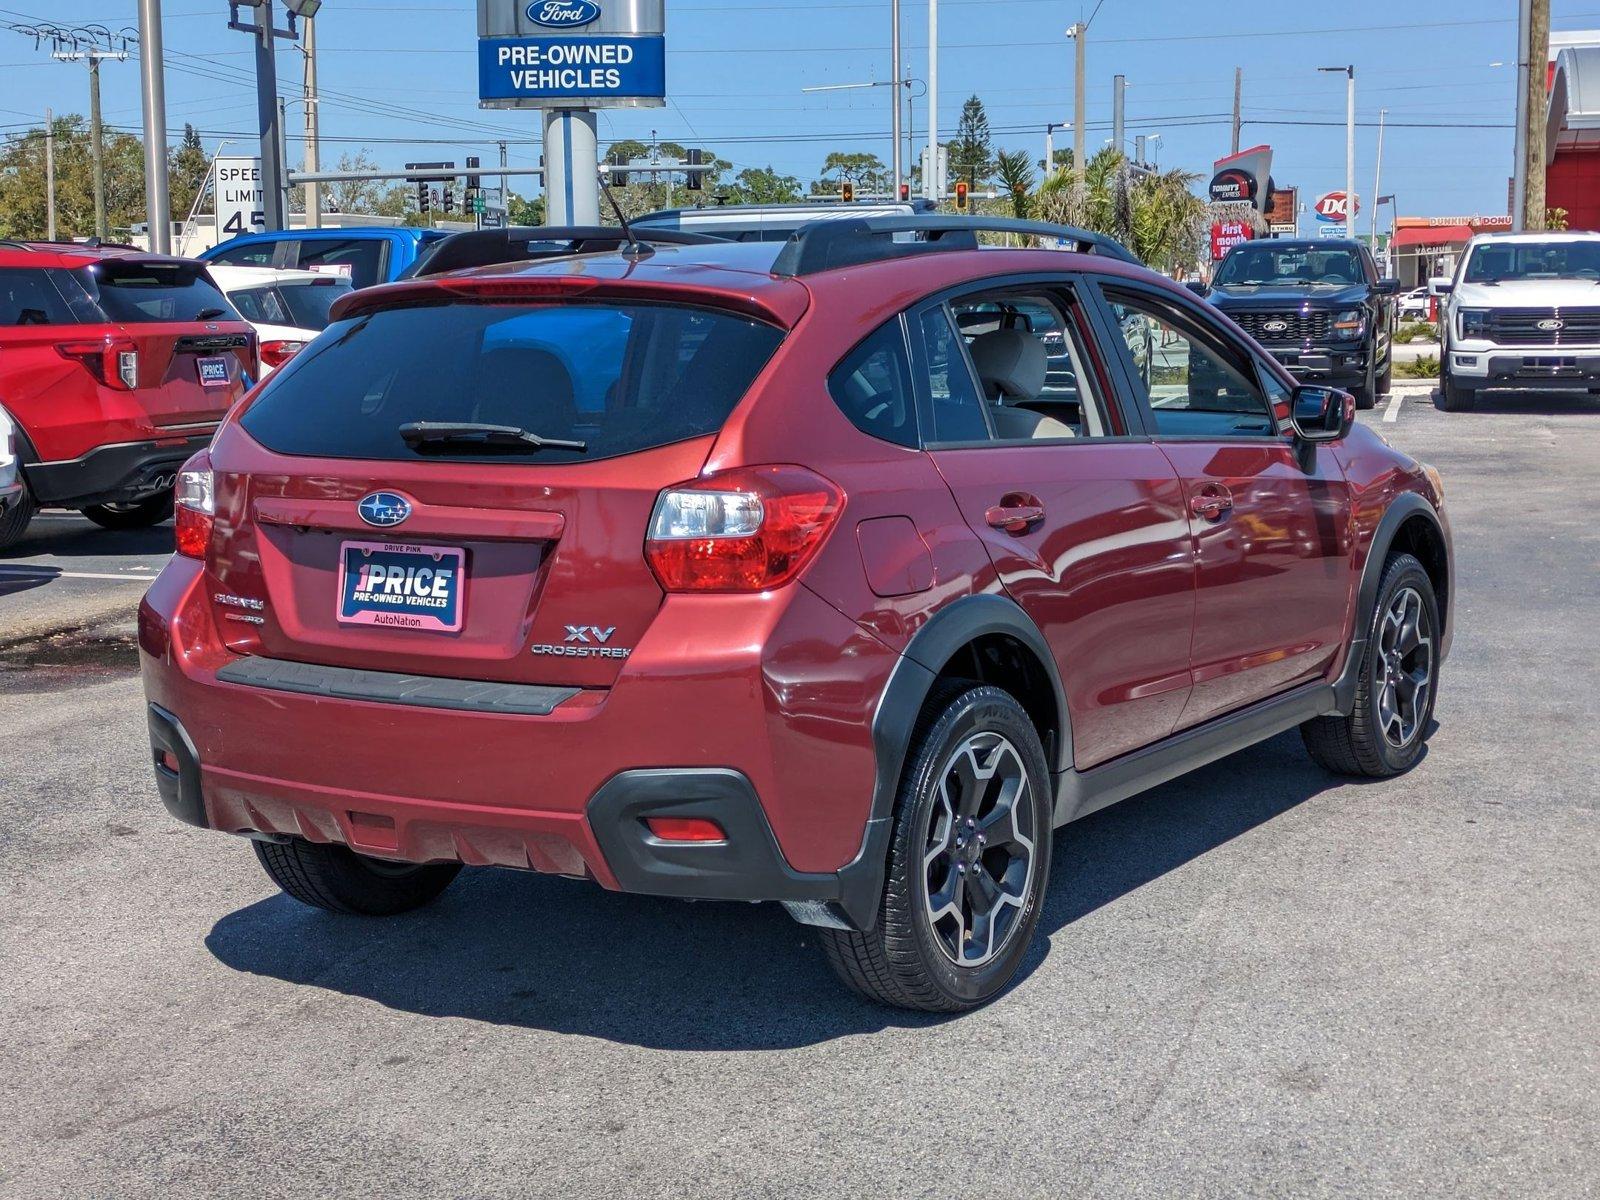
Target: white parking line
[52,573]
[1392,413]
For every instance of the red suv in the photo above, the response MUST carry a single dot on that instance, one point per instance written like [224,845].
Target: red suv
[836,573]
[116,366]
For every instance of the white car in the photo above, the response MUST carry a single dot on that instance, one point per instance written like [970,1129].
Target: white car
[1523,311]
[1413,305]
[10,480]
[288,308]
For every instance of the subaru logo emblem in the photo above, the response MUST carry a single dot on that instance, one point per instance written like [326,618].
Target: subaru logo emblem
[1551,324]
[563,14]
[1275,326]
[383,509]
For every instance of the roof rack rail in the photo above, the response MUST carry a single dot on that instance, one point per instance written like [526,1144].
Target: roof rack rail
[828,245]
[12,244]
[527,243]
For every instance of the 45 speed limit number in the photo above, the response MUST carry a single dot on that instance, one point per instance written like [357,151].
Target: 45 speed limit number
[241,200]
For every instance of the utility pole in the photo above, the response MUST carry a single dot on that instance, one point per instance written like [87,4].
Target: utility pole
[312,154]
[1377,178]
[1533,64]
[894,92]
[49,175]
[505,185]
[84,47]
[153,93]
[1238,105]
[930,175]
[1119,95]
[1078,34]
[267,118]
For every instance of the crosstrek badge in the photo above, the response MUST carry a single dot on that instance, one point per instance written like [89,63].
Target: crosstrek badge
[402,586]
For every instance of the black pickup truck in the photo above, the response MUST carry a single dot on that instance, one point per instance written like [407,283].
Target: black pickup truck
[1318,306]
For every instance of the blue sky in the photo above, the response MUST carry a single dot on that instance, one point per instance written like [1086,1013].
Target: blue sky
[395,75]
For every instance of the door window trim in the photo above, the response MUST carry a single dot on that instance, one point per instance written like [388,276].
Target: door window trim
[1192,323]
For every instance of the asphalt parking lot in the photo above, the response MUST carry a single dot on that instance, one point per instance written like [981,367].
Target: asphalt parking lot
[1257,980]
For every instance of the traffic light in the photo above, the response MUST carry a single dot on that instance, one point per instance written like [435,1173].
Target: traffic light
[422,198]
[847,192]
[905,192]
[449,197]
[962,195]
[697,180]
[619,178]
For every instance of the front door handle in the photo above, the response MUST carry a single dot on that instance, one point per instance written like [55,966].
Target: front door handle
[1014,517]
[1211,502]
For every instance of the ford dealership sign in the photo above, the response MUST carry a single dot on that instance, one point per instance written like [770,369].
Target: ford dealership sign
[563,14]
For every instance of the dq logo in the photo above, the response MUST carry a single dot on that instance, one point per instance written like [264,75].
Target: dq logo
[563,14]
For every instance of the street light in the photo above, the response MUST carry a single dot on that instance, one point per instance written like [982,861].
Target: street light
[1155,154]
[1349,72]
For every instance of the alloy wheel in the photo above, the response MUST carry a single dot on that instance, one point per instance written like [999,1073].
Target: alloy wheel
[979,859]
[1404,667]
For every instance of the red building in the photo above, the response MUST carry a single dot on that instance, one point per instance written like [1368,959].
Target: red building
[1572,131]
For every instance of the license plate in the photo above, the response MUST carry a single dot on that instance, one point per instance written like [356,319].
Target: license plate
[213,372]
[402,586]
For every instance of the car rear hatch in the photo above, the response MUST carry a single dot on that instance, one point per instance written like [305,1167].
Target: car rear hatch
[192,356]
[369,517]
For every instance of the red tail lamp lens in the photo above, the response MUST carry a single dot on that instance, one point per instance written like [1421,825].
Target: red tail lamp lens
[685,829]
[195,506]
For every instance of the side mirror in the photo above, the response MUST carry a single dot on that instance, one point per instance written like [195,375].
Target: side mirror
[1441,287]
[1388,287]
[1199,287]
[1321,414]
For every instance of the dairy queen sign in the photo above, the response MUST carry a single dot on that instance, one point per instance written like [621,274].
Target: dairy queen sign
[1225,235]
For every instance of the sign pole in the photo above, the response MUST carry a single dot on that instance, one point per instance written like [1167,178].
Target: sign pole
[571,158]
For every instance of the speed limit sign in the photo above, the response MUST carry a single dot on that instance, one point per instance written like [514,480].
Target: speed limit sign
[241,200]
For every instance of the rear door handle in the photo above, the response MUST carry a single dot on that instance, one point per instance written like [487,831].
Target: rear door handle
[1014,518]
[1211,502]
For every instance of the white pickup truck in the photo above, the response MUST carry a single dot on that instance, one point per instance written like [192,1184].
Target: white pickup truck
[1523,312]
[10,481]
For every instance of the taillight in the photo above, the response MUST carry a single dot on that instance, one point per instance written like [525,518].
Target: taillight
[113,361]
[195,504]
[275,354]
[745,530]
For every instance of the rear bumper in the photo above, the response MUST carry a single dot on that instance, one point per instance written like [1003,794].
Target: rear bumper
[783,761]
[110,474]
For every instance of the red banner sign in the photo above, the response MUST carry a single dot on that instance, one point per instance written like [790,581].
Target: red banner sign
[1225,235]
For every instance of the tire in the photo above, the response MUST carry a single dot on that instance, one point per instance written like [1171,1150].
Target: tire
[137,514]
[911,958]
[1386,380]
[1369,743]
[337,879]
[1366,393]
[1452,396]
[14,521]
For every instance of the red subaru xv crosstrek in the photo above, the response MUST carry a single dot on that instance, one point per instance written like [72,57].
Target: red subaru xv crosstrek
[836,573]
[116,366]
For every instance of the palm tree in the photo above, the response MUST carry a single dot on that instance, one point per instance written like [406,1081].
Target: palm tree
[1015,170]
[1158,217]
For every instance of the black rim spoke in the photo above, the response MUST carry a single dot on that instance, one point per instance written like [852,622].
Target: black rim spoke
[1404,668]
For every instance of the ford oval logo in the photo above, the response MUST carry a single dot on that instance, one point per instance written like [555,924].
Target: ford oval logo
[383,509]
[563,14]
[1275,326]
[1551,324]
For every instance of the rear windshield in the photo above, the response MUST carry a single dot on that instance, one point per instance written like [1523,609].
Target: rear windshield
[618,377]
[133,293]
[301,304]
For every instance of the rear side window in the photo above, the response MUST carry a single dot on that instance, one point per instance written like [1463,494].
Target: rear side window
[135,293]
[360,260]
[256,254]
[872,387]
[30,297]
[619,377]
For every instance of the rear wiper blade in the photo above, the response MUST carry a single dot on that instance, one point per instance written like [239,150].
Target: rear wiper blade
[470,435]
[210,314]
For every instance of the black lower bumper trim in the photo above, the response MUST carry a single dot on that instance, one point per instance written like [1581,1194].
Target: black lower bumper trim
[386,687]
[113,474]
[180,788]
[747,866]
[1548,370]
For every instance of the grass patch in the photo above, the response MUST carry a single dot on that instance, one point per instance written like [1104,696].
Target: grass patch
[1426,367]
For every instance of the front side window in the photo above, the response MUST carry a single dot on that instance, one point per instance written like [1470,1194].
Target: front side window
[872,386]
[257,254]
[619,378]
[1192,385]
[360,260]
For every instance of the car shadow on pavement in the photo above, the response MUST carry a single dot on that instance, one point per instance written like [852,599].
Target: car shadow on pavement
[81,539]
[561,955]
[1529,404]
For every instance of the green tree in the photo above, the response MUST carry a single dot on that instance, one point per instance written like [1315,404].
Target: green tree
[1157,216]
[187,170]
[859,169]
[1016,179]
[972,151]
[357,195]
[763,185]
[22,182]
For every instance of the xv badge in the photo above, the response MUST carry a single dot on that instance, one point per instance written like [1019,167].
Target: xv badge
[581,633]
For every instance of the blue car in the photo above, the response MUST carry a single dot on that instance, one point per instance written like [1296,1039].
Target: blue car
[364,254]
